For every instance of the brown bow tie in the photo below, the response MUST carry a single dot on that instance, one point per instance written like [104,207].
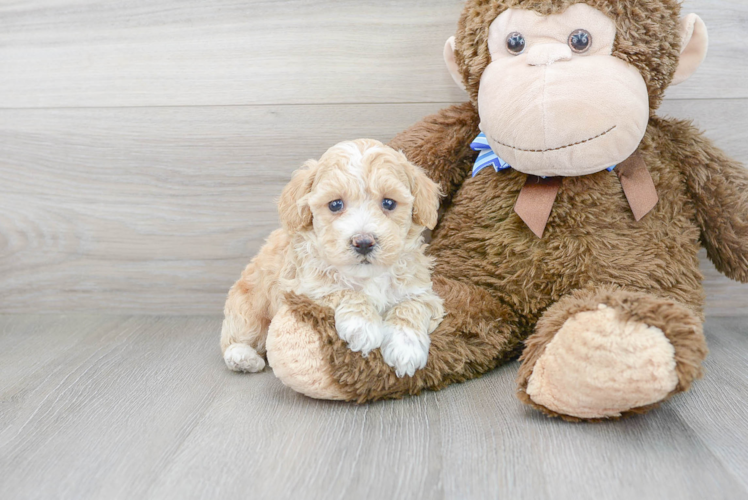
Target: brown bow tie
[536,198]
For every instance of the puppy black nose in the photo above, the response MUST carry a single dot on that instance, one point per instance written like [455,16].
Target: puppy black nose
[363,243]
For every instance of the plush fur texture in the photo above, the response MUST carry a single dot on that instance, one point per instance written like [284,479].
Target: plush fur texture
[679,324]
[295,354]
[497,279]
[506,290]
[462,347]
[597,365]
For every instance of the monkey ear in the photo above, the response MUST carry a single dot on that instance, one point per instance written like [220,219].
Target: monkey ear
[449,58]
[293,205]
[694,43]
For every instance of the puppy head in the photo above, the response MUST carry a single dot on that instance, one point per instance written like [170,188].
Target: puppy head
[361,203]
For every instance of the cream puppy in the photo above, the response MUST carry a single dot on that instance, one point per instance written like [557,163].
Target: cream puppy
[352,240]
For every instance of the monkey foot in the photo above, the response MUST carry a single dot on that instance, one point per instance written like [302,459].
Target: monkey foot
[607,360]
[599,366]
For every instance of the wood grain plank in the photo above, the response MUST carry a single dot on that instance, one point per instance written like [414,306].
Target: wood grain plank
[227,52]
[86,53]
[288,446]
[100,421]
[143,407]
[715,408]
[115,208]
[519,453]
[157,210]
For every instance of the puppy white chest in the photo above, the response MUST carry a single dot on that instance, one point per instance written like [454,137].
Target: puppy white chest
[382,292]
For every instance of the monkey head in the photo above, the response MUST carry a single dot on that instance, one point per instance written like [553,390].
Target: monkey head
[566,87]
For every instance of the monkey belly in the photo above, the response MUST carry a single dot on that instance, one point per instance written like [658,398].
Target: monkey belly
[591,238]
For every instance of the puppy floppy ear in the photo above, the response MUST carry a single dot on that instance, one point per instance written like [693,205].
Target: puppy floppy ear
[293,205]
[426,196]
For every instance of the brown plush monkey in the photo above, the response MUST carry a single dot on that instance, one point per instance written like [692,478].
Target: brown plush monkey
[590,274]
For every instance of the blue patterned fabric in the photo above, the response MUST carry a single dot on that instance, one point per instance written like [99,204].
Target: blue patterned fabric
[487,158]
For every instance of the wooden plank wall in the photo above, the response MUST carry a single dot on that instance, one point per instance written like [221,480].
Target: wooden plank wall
[142,144]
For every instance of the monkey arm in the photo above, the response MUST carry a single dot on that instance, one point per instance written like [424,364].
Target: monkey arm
[440,144]
[718,186]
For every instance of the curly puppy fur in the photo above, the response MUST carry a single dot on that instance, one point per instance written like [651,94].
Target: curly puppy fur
[382,295]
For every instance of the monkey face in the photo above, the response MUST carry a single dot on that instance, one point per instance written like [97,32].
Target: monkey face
[554,100]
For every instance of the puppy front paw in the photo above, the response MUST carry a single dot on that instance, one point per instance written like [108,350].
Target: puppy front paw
[405,350]
[242,358]
[360,333]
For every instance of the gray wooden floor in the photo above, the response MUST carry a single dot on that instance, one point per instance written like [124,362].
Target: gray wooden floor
[142,407]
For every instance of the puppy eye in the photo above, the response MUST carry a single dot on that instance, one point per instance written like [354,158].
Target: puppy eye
[335,205]
[515,43]
[389,204]
[580,41]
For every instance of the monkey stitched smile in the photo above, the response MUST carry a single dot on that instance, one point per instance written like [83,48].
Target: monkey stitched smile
[553,149]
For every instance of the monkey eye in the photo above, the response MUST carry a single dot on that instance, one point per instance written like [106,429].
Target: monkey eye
[580,41]
[515,43]
[335,205]
[389,204]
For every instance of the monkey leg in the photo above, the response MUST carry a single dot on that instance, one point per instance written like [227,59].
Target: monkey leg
[305,352]
[295,348]
[607,352]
